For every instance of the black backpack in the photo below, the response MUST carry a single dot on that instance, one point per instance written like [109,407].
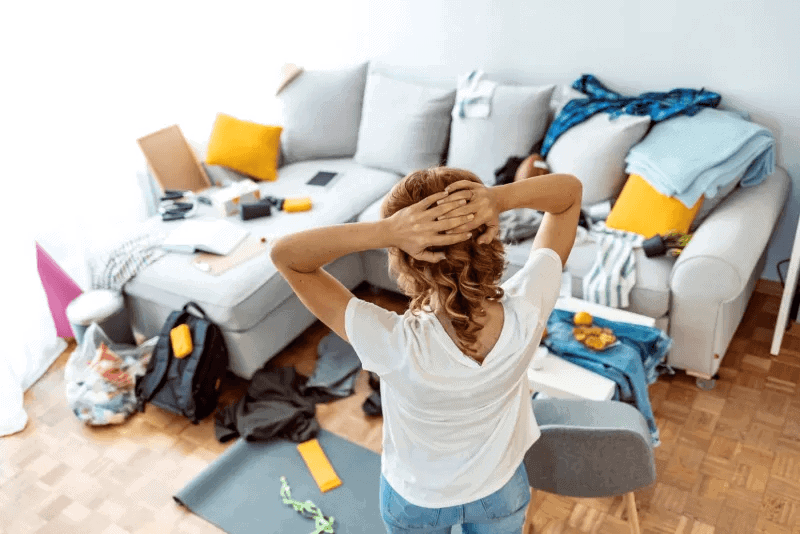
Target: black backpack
[186,386]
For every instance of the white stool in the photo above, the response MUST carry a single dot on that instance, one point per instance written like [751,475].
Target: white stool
[104,307]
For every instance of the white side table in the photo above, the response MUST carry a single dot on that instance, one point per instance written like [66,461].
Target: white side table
[562,379]
[788,295]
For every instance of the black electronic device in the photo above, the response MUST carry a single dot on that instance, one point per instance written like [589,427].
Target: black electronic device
[173,194]
[182,206]
[322,178]
[172,216]
[255,210]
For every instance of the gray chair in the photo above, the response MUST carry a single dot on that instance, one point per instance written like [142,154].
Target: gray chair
[591,449]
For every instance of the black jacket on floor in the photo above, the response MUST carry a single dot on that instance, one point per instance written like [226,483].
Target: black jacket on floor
[273,407]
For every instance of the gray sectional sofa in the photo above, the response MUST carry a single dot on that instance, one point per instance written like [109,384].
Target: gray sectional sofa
[358,123]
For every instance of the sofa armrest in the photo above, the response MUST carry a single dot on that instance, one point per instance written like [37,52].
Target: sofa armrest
[725,249]
[715,268]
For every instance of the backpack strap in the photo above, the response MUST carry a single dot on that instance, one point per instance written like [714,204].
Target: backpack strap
[197,308]
[156,374]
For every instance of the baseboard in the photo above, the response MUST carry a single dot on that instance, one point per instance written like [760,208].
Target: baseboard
[769,287]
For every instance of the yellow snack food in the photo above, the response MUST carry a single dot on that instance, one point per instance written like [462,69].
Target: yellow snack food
[582,318]
[594,337]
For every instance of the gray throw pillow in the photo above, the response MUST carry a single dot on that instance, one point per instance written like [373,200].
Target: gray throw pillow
[595,150]
[404,126]
[518,119]
[321,114]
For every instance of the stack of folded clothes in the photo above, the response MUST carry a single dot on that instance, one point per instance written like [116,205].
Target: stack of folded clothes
[688,157]
[634,362]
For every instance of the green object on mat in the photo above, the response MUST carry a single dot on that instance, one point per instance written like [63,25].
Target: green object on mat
[323,524]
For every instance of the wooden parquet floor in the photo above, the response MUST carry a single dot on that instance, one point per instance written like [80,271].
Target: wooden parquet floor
[729,462]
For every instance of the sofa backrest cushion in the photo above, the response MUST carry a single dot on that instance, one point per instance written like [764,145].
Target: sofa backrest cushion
[321,113]
[518,118]
[404,126]
[595,150]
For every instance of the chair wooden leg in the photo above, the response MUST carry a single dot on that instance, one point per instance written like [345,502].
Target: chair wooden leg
[529,513]
[633,515]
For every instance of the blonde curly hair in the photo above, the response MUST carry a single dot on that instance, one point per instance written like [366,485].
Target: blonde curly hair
[470,274]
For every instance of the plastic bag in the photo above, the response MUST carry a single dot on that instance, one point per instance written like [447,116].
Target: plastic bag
[101,377]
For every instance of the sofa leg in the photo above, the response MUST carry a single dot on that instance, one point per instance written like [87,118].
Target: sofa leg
[705,385]
[704,381]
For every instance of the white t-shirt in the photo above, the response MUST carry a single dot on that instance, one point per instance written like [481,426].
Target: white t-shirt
[454,430]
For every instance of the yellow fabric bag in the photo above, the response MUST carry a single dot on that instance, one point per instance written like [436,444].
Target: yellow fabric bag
[246,147]
[643,210]
[181,339]
[321,469]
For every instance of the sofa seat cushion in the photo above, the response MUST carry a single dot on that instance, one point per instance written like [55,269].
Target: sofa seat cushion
[242,296]
[650,296]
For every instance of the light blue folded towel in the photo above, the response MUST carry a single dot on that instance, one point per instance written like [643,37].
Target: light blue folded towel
[687,157]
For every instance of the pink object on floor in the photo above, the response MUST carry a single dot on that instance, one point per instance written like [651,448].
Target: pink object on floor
[59,288]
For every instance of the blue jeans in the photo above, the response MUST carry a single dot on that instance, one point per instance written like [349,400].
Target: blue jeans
[502,512]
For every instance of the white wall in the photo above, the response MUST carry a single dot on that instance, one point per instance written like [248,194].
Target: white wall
[84,79]
[746,50]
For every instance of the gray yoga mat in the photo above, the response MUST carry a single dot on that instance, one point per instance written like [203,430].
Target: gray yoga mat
[240,492]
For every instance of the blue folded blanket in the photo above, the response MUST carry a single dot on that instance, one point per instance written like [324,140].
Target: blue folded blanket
[687,157]
[633,363]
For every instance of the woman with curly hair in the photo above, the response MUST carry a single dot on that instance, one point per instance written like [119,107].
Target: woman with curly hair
[457,411]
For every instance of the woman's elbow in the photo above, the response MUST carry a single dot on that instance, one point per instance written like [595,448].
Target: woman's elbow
[576,189]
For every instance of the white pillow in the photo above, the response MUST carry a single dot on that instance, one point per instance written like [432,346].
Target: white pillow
[404,126]
[595,150]
[561,96]
[518,120]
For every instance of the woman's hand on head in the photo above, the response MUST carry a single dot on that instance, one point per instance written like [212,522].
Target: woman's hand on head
[416,227]
[481,203]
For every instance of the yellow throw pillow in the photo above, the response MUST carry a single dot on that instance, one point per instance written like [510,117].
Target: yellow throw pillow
[643,210]
[246,147]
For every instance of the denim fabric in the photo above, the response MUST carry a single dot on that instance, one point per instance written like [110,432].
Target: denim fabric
[502,512]
[660,106]
[633,363]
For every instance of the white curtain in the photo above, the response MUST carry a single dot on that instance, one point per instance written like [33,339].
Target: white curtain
[82,81]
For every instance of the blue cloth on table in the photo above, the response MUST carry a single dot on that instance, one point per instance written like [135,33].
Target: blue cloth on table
[689,157]
[660,106]
[633,363]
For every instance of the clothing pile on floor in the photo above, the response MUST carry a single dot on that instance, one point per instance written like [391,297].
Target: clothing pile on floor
[280,403]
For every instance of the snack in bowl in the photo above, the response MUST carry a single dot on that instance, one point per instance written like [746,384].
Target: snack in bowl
[594,337]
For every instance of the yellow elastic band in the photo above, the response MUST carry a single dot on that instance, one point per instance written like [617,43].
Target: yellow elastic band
[321,469]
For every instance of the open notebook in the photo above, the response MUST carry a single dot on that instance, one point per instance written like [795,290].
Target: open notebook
[214,236]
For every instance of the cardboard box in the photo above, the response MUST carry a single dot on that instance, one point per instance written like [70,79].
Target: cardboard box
[173,162]
[228,199]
